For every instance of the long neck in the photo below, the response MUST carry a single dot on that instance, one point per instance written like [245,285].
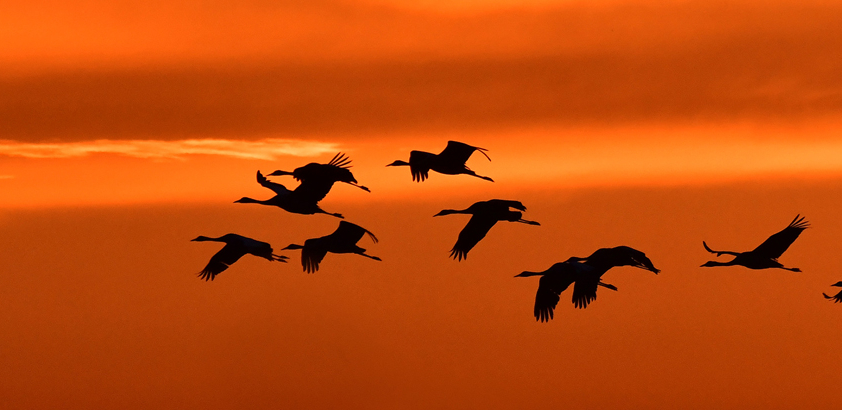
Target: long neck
[247,200]
[715,263]
[453,211]
[206,239]
[528,273]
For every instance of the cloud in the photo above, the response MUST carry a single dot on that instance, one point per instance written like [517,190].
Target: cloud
[328,67]
[265,149]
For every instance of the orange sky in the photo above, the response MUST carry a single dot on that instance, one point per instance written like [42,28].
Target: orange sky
[129,128]
[103,309]
[98,70]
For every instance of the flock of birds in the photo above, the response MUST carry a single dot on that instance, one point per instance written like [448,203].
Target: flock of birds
[585,274]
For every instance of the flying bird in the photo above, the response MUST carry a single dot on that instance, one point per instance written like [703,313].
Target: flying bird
[343,240]
[235,247]
[585,274]
[766,255]
[838,297]
[485,215]
[297,201]
[317,179]
[451,161]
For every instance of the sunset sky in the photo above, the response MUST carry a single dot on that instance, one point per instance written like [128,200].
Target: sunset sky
[128,128]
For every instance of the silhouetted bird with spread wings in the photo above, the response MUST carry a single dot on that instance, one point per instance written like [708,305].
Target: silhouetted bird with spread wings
[485,215]
[343,240]
[586,274]
[451,161]
[838,297]
[235,247]
[297,201]
[317,179]
[766,255]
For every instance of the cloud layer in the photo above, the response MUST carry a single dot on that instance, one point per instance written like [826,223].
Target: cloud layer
[332,67]
[266,149]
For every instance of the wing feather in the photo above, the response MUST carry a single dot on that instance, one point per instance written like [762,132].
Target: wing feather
[507,204]
[584,291]
[340,160]
[419,164]
[458,152]
[312,255]
[313,189]
[836,299]
[348,232]
[471,234]
[274,186]
[778,243]
[222,260]
[550,286]
[318,179]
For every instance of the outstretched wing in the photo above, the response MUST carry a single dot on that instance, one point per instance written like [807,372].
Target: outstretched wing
[505,204]
[458,152]
[221,260]
[419,164]
[340,160]
[261,249]
[337,169]
[313,189]
[274,186]
[621,256]
[778,243]
[470,235]
[351,233]
[312,255]
[317,179]
[556,280]
[584,291]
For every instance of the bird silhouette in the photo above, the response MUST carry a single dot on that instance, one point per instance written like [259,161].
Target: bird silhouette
[586,273]
[485,215]
[451,161]
[343,240]
[235,247]
[838,297]
[317,179]
[298,202]
[766,255]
